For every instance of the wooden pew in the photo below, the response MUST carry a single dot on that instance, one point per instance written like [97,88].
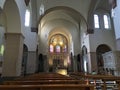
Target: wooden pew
[41,82]
[48,87]
[46,82]
[118,83]
[105,79]
[45,76]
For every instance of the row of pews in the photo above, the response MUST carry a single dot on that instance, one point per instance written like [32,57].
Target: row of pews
[46,81]
[102,82]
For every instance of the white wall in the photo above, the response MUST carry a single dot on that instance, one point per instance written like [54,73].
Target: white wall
[30,37]
[102,37]
[116,19]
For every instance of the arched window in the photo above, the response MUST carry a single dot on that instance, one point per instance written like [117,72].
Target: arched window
[65,48]
[58,44]
[96,21]
[58,49]
[106,22]
[102,20]
[27,18]
[51,48]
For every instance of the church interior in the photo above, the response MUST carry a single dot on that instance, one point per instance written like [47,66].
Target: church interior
[60,42]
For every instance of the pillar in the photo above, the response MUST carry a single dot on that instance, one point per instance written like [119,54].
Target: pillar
[13,54]
[92,62]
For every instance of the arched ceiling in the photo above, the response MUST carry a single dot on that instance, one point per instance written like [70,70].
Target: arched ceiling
[61,17]
[69,18]
[69,11]
[79,5]
[60,20]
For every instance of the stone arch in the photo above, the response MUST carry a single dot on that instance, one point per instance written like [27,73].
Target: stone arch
[24,60]
[84,50]
[14,40]
[101,49]
[84,62]
[13,19]
[71,21]
[63,32]
[69,10]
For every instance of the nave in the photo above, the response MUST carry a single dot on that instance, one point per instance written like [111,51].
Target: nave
[56,81]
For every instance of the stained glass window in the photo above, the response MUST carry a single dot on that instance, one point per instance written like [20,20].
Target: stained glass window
[57,48]
[65,48]
[51,48]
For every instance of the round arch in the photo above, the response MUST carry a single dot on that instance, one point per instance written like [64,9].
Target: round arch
[15,26]
[73,13]
[64,17]
[24,60]
[14,37]
[84,50]
[84,62]
[101,49]
[63,32]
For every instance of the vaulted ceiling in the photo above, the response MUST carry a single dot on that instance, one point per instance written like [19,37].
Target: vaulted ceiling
[67,17]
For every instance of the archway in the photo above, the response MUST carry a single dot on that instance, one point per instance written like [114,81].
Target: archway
[24,60]
[13,41]
[61,17]
[101,49]
[61,20]
[58,53]
[84,62]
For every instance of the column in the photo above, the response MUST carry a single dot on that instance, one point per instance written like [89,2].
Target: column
[92,62]
[13,54]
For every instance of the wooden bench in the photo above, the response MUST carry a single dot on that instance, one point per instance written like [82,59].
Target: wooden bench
[48,87]
[41,82]
[46,82]
[118,83]
[105,80]
[45,76]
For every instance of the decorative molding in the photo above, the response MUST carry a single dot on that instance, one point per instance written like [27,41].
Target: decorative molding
[14,34]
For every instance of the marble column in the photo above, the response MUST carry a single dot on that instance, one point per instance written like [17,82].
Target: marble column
[13,54]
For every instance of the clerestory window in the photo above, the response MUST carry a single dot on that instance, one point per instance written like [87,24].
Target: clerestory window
[27,18]
[96,21]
